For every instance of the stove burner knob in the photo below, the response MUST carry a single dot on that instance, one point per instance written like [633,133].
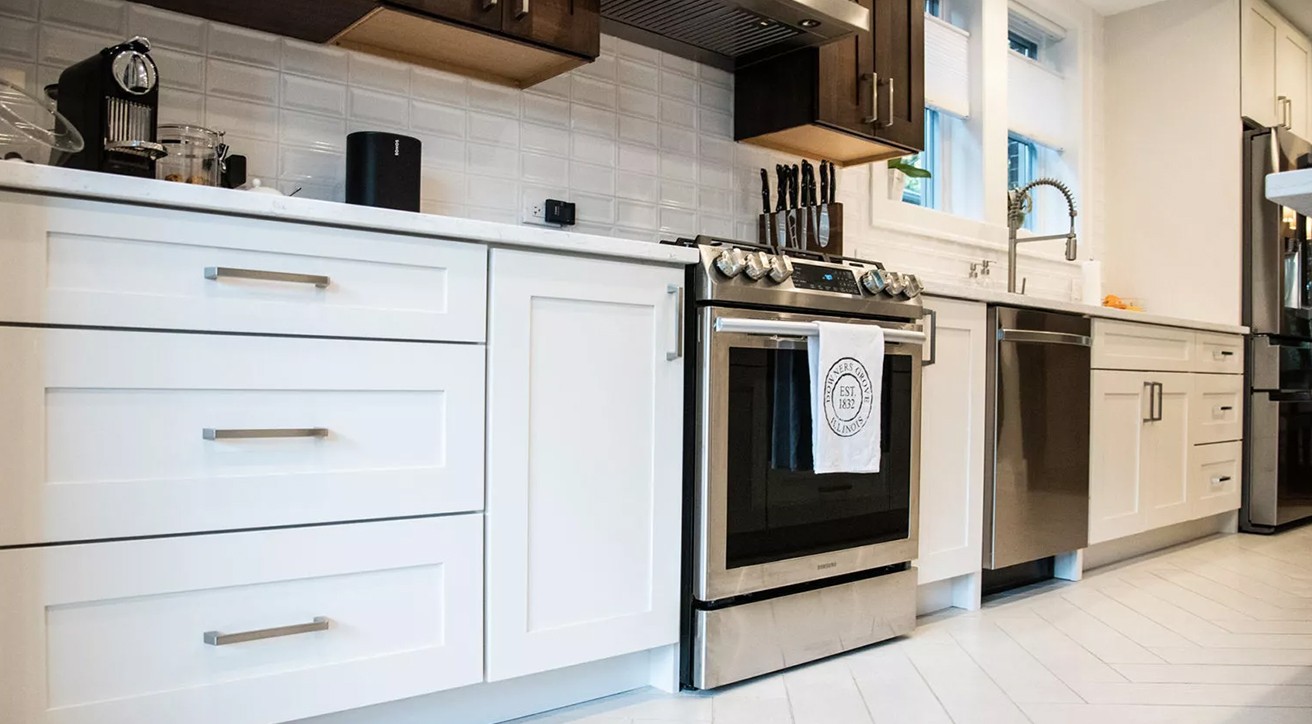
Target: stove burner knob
[731,262]
[757,265]
[781,268]
[914,287]
[875,280]
[896,284]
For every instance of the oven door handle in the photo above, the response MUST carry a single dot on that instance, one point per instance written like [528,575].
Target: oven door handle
[799,329]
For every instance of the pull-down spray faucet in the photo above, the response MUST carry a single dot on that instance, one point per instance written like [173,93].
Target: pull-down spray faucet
[1018,203]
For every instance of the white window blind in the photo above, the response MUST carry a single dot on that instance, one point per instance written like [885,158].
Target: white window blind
[1036,102]
[947,69]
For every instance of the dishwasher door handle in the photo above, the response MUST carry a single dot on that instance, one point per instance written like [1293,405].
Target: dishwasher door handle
[1033,336]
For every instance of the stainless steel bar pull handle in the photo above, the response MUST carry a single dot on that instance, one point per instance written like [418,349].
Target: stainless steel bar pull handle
[1161,411]
[1152,401]
[1034,336]
[211,433]
[214,638]
[873,118]
[215,273]
[521,9]
[892,113]
[678,324]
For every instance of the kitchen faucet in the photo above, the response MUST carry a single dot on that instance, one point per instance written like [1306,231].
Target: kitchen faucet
[1017,201]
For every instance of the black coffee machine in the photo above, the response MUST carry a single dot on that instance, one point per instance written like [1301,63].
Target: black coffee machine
[112,98]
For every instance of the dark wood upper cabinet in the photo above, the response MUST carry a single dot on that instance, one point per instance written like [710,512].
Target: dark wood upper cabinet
[512,42]
[484,14]
[855,100]
[570,25]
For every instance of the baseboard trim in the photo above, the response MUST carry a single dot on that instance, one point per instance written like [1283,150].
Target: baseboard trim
[1122,549]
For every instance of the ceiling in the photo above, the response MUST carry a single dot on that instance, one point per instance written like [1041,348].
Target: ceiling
[1298,12]
[1111,7]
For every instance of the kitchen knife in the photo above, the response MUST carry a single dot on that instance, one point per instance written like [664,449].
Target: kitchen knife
[794,236]
[794,183]
[833,185]
[765,192]
[826,198]
[782,187]
[824,182]
[780,217]
[812,210]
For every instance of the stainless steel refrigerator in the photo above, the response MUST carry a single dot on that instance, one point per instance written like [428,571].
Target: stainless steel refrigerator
[1278,310]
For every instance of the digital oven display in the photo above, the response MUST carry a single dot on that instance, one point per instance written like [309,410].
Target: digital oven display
[825,279]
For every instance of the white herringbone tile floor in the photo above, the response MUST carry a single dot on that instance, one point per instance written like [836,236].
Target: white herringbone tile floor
[1215,632]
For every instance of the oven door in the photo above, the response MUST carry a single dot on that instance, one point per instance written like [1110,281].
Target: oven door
[764,519]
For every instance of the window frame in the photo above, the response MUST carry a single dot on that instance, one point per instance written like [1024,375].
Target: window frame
[930,159]
[1023,45]
[1027,171]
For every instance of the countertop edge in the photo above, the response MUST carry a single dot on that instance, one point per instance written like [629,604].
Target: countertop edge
[73,183]
[991,296]
[1292,189]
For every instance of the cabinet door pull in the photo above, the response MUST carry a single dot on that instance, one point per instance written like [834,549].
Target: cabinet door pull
[933,341]
[215,273]
[873,118]
[1161,407]
[1152,402]
[1225,408]
[892,114]
[214,638]
[678,324]
[1221,354]
[211,433]
[521,9]
[1218,479]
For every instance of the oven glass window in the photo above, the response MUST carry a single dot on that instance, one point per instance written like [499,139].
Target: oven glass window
[778,507]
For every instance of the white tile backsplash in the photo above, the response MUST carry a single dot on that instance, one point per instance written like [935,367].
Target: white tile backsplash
[641,140]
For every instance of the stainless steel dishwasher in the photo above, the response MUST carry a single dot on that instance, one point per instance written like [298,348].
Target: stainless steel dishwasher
[1036,475]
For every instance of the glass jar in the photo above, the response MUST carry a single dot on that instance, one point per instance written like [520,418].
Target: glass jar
[196,154]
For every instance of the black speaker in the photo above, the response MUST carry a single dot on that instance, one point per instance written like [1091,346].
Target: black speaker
[382,169]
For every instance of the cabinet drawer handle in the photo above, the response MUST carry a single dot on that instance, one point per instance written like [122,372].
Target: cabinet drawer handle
[892,113]
[873,118]
[210,433]
[521,9]
[678,325]
[1218,479]
[214,638]
[1222,354]
[1225,408]
[215,273]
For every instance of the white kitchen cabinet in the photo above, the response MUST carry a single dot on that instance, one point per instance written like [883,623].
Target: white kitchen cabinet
[1215,478]
[584,472]
[240,628]
[1218,409]
[952,443]
[1276,69]
[1165,471]
[1134,346]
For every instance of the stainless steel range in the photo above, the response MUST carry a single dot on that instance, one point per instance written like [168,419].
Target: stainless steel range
[787,565]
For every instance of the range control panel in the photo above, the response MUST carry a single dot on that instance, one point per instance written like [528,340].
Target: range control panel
[825,279]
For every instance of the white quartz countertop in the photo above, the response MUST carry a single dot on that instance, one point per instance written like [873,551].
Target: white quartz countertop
[1292,189]
[150,192]
[995,296]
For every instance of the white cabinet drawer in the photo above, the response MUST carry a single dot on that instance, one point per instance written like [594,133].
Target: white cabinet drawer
[1215,478]
[1223,353]
[1133,346]
[1217,409]
[112,440]
[115,633]
[66,261]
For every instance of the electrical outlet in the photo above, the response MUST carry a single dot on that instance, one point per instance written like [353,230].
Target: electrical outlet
[535,213]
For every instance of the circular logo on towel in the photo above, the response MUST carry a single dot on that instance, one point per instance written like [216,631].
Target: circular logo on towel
[849,398]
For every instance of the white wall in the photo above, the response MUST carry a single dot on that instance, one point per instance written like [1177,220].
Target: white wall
[1174,140]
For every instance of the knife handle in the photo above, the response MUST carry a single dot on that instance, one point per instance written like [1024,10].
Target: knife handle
[782,202]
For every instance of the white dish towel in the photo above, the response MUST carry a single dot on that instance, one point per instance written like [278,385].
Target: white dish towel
[847,382]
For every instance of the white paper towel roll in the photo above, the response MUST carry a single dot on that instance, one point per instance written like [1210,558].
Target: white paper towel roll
[1092,273]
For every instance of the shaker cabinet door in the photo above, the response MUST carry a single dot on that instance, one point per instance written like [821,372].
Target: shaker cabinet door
[573,26]
[1166,446]
[1117,453]
[846,84]
[584,492]
[952,443]
[899,46]
[479,13]
[1259,41]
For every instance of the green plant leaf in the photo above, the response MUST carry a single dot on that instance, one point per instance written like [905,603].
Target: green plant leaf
[906,168]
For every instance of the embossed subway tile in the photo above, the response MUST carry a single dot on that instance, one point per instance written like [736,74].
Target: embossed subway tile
[386,110]
[679,221]
[715,97]
[490,128]
[179,106]
[546,109]
[557,87]
[167,29]
[246,46]
[441,208]
[236,80]
[678,193]
[438,86]
[678,140]
[494,98]
[63,47]
[546,139]
[261,156]
[101,16]
[637,186]
[636,215]
[593,120]
[639,130]
[630,49]
[678,65]
[441,152]
[721,226]
[602,68]
[675,85]
[312,130]
[639,103]
[251,120]
[18,39]
[593,92]
[678,113]
[717,175]
[677,167]
[483,158]
[594,208]
[309,94]
[715,76]
[717,150]
[316,61]
[26,9]
[311,165]
[715,201]
[185,70]
[639,159]
[493,192]
[638,75]
[448,187]
[545,170]
[442,120]
[592,149]
[712,124]
[23,75]
[536,194]
[370,71]
[590,178]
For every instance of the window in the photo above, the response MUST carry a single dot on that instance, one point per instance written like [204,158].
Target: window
[1021,155]
[925,191]
[1023,45]
[934,7]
